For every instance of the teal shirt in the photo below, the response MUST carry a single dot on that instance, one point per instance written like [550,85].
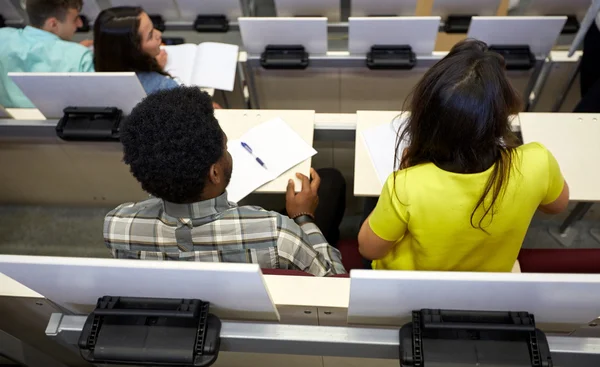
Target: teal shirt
[34,50]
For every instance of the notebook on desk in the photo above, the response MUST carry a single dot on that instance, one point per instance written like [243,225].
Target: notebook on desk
[269,150]
[209,64]
[381,142]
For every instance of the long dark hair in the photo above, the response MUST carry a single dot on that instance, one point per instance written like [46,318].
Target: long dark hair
[459,120]
[117,44]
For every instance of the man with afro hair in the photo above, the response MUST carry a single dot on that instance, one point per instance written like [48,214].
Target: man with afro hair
[176,149]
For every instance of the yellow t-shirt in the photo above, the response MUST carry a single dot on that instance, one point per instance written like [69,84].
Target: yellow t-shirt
[430,217]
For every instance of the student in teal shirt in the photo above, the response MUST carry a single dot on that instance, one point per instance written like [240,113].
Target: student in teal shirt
[44,46]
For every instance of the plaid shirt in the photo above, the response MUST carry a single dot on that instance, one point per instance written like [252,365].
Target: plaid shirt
[217,230]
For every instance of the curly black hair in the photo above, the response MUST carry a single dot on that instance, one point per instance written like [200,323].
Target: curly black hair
[170,141]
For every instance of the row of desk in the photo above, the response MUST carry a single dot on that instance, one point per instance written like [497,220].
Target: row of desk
[571,138]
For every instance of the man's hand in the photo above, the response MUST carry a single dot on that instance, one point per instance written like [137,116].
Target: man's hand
[307,200]
[162,59]
[87,43]
[217,106]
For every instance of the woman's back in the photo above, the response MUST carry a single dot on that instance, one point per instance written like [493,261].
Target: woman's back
[435,207]
[465,191]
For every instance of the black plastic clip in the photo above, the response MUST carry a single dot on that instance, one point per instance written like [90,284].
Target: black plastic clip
[90,124]
[515,57]
[2,21]
[211,23]
[400,57]
[473,338]
[457,23]
[284,57]
[151,331]
[85,24]
[158,22]
[571,25]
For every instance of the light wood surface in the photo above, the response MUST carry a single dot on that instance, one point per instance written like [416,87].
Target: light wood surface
[11,288]
[25,113]
[236,122]
[366,181]
[308,291]
[573,140]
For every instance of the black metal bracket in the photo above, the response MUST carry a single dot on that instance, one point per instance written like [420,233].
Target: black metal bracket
[284,57]
[571,25]
[397,57]
[457,23]
[515,57]
[471,338]
[211,23]
[90,124]
[151,331]
[158,22]
[85,24]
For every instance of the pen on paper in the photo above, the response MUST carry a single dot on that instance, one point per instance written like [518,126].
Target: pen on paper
[249,150]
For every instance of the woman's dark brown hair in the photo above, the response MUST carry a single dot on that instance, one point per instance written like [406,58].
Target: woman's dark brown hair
[459,120]
[117,44]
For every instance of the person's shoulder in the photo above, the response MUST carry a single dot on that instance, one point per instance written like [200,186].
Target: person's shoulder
[8,32]
[154,82]
[131,210]
[532,151]
[73,48]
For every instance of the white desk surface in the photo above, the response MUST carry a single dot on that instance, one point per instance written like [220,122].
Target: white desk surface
[573,140]
[12,288]
[366,182]
[236,122]
[308,291]
[25,113]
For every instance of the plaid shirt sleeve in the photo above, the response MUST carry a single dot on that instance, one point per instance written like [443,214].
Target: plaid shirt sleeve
[305,248]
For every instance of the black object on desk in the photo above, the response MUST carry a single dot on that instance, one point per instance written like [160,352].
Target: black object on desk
[158,22]
[457,23]
[400,57]
[284,57]
[2,21]
[438,338]
[172,41]
[90,124]
[151,331]
[211,23]
[515,57]
[571,25]
[85,24]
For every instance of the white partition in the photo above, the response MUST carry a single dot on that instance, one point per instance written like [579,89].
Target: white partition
[190,9]
[558,7]
[257,33]
[539,33]
[314,8]
[365,8]
[389,297]
[90,10]
[9,12]
[166,8]
[52,92]
[234,290]
[444,8]
[418,32]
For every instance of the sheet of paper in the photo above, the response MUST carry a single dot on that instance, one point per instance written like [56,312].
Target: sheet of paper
[381,142]
[276,144]
[181,60]
[215,66]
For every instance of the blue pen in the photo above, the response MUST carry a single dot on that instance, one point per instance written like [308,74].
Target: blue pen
[247,147]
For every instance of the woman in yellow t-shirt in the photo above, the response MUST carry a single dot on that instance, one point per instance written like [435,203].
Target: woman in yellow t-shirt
[466,192]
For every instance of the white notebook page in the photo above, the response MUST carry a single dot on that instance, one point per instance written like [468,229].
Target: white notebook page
[381,142]
[276,144]
[181,60]
[216,65]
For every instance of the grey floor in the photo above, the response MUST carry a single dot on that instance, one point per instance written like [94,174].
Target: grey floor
[77,232]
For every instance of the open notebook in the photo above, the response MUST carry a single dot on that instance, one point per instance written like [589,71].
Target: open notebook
[380,142]
[276,144]
[209,64]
